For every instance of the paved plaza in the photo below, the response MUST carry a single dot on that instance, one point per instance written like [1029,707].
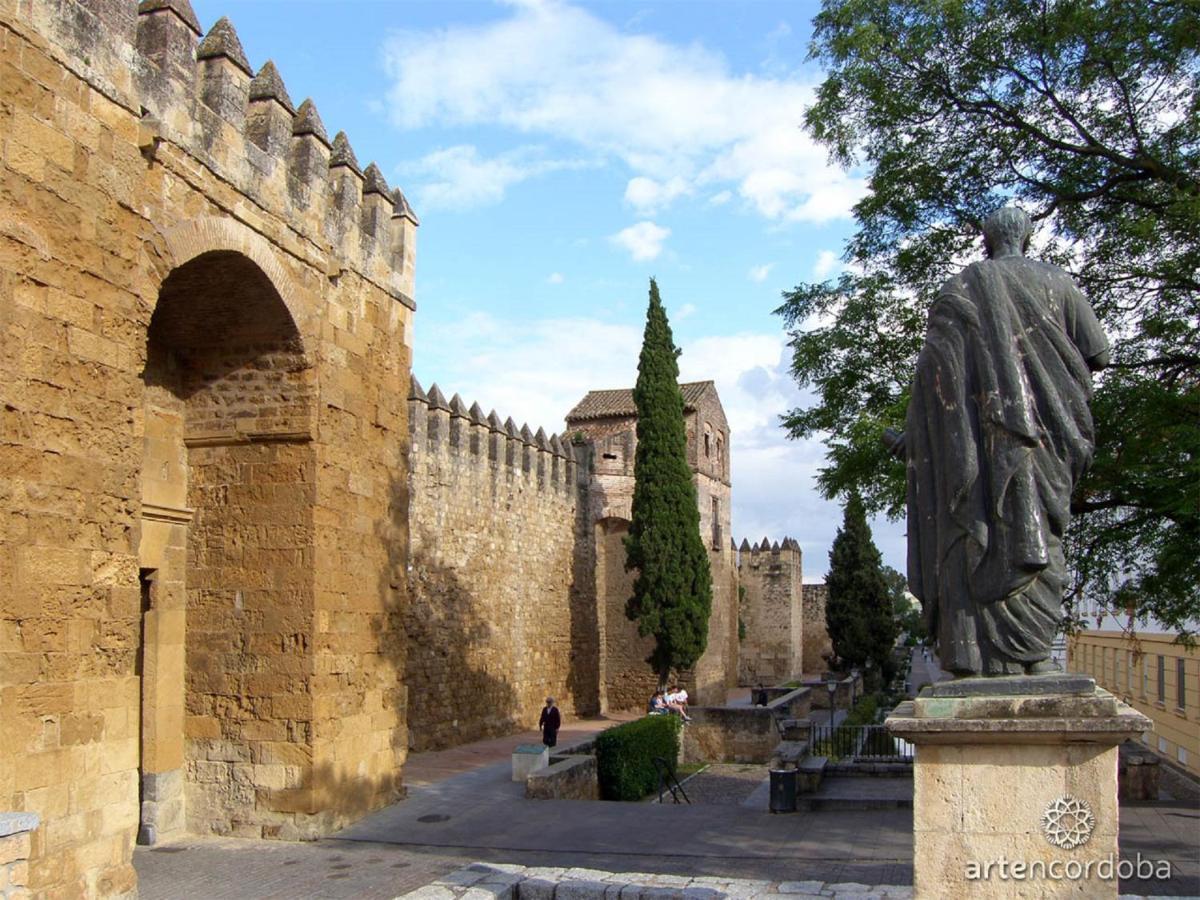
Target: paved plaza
[463,808]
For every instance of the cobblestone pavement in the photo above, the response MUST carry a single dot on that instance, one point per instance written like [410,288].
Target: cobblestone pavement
[725,784]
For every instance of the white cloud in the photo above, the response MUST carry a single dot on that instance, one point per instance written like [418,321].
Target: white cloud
[459,177]
[648,196]
[720,198]
[687,309]
[676,114]
[536,370]
[555,278]
[827,264]
[759,273]
[644,241]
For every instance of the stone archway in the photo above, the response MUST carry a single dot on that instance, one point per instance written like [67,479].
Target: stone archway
[228,486]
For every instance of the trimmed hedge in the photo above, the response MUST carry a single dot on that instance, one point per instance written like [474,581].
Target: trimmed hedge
[625,756]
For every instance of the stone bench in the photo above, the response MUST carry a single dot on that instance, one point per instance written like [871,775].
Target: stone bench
[527,758]
[810,771]
[789,754]
[567,778]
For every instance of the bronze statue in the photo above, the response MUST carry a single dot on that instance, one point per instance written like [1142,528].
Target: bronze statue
[997,435]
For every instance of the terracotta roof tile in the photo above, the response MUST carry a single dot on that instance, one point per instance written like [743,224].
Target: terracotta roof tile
[606,404]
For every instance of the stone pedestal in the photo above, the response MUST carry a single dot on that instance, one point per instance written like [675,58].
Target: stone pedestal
[1015,786]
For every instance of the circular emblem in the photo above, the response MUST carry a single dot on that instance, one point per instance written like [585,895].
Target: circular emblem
[1068,822]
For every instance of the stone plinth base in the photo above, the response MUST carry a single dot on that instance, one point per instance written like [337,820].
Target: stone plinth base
[527,758]
[1015,788]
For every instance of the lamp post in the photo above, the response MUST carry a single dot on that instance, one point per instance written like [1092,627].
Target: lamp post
[832,686]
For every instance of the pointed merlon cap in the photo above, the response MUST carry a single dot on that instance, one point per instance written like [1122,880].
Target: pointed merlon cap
[400,207]
[775,546]
[765,545]
[436,399]
[375,183]
[732,544]
[526,434]
[308,121]
[181,8]
[222,40]
[494,422]
[343,154]
[268,85]
[556,446]
[541,440]
[477,416]
[745,545]
[458,409]
[414,390]
[510,428]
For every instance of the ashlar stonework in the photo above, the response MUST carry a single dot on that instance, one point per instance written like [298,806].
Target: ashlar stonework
[207,312]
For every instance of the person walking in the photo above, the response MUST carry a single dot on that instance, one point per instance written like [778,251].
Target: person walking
[550,721]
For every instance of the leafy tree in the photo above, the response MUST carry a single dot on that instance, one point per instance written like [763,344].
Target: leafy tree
[1085,113]
[672,594]
[858,610]
[910,621]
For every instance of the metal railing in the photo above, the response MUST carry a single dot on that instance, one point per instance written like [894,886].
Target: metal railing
[858,743]
[667,781]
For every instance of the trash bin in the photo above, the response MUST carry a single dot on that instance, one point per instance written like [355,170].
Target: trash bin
[783,790]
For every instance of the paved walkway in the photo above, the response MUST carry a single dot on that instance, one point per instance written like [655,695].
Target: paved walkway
[925,671]
[462,807]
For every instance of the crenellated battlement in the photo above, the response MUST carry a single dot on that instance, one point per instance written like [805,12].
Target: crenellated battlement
[771,577]
[449,429]
[755,554]
[198,92]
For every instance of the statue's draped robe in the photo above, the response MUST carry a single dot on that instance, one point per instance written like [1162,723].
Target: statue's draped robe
[998,432]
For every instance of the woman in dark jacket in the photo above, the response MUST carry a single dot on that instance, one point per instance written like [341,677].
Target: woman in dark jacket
[550,722]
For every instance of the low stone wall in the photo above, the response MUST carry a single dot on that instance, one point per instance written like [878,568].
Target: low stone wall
[570,778]
[1137,772]
[730,734]
[849,689]
[15,832]
[795,703]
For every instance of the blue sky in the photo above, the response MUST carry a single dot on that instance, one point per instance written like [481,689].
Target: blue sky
[559,154]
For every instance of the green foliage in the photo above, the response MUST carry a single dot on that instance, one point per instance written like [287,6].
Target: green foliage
[858,612]
[910,622]
[1087,114]
[672,594]
[864,711]
[625,756]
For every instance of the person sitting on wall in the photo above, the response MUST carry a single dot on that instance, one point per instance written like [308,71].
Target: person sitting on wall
[657,705]
[760,695]
[676,699]
[550,721]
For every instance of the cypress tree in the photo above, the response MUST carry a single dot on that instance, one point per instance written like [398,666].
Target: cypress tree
[672,594]
[858,610]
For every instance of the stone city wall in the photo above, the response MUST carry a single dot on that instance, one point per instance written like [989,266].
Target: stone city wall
[207,316]
[501,610]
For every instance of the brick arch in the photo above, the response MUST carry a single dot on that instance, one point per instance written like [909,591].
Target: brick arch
[187,240]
